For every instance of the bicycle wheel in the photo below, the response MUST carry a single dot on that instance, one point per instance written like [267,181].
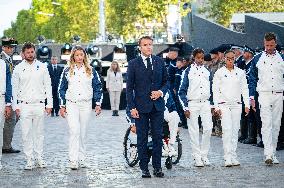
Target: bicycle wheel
[175,159]
[130,148]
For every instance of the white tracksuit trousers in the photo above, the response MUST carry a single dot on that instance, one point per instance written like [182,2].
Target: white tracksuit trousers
[202,109]
[114,97]
[32,124]
[231,116]
[173,120]
[78,117]
[271,108]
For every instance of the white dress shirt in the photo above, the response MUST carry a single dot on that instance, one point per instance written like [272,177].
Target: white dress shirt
[31,83]
[228,86]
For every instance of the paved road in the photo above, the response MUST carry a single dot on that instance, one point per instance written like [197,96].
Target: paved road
[107,166]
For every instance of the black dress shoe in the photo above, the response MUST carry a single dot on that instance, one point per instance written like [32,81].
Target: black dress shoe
[250,141]
[11,150]
[146,174]
[158,173]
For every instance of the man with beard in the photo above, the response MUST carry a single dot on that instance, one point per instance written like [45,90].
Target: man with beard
[266,78]
[31,86]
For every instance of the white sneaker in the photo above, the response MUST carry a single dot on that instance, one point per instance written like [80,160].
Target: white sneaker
[198,162]
[275,160]
[40,163]
[205,161]
[268,160]
[165,151]
[172,151]
[235,162]
[29,165]
[73,165]
[228,163]
[82,164]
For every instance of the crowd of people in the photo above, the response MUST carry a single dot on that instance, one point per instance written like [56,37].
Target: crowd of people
[230,89]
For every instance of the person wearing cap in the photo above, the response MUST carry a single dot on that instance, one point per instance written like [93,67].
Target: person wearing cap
[229,85]
[31,88]
[171,57]
[239,50]
[181,66]
[195,94]
[8,45]
[185,49]
[217,63]
[5,98]
[266,78]
[250,123]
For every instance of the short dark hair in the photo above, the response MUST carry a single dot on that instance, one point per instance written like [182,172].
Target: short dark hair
[229,51]
[197,51]
[28,45]
[270,36]
[144,37]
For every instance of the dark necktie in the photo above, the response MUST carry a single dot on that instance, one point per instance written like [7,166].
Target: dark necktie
[54,68]
[149,64]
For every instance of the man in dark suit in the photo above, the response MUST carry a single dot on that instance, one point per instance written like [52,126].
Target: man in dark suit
[147,78]
[55,73]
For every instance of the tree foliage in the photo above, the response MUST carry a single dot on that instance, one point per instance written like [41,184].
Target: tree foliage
[222,10]
[82,18]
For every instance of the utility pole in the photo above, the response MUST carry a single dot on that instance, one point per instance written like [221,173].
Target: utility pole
[102,29]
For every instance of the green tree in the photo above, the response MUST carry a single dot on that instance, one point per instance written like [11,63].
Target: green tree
[222,10]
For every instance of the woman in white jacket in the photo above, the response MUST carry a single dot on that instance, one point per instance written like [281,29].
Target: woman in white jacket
[229,84]
[114,85]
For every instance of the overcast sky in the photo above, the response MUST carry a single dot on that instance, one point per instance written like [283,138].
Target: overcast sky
[9,11]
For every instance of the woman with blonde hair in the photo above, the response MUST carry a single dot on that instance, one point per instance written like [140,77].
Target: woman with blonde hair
[79,84]
[114,85]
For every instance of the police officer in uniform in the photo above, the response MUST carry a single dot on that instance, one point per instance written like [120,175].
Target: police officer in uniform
[250,123]
[8,45]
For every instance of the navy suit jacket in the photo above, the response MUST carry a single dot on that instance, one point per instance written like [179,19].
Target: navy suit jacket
[141,82]
[54,76]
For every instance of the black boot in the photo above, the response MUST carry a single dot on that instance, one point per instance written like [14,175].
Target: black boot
[251,135]
[116,113]
[113,113]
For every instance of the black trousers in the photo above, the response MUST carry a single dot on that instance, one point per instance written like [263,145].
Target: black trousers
[154,121]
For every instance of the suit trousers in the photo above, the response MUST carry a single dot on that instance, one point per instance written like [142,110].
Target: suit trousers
[271,108]
[32,124]
[78,118]
[155,118]
[173,119]
[114,97]
[231,116]
[202,109]
[8,130]
[2,120]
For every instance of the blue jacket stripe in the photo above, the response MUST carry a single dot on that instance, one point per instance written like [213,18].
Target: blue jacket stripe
[63,86]
[182,92]
[8,93]
[97,87]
